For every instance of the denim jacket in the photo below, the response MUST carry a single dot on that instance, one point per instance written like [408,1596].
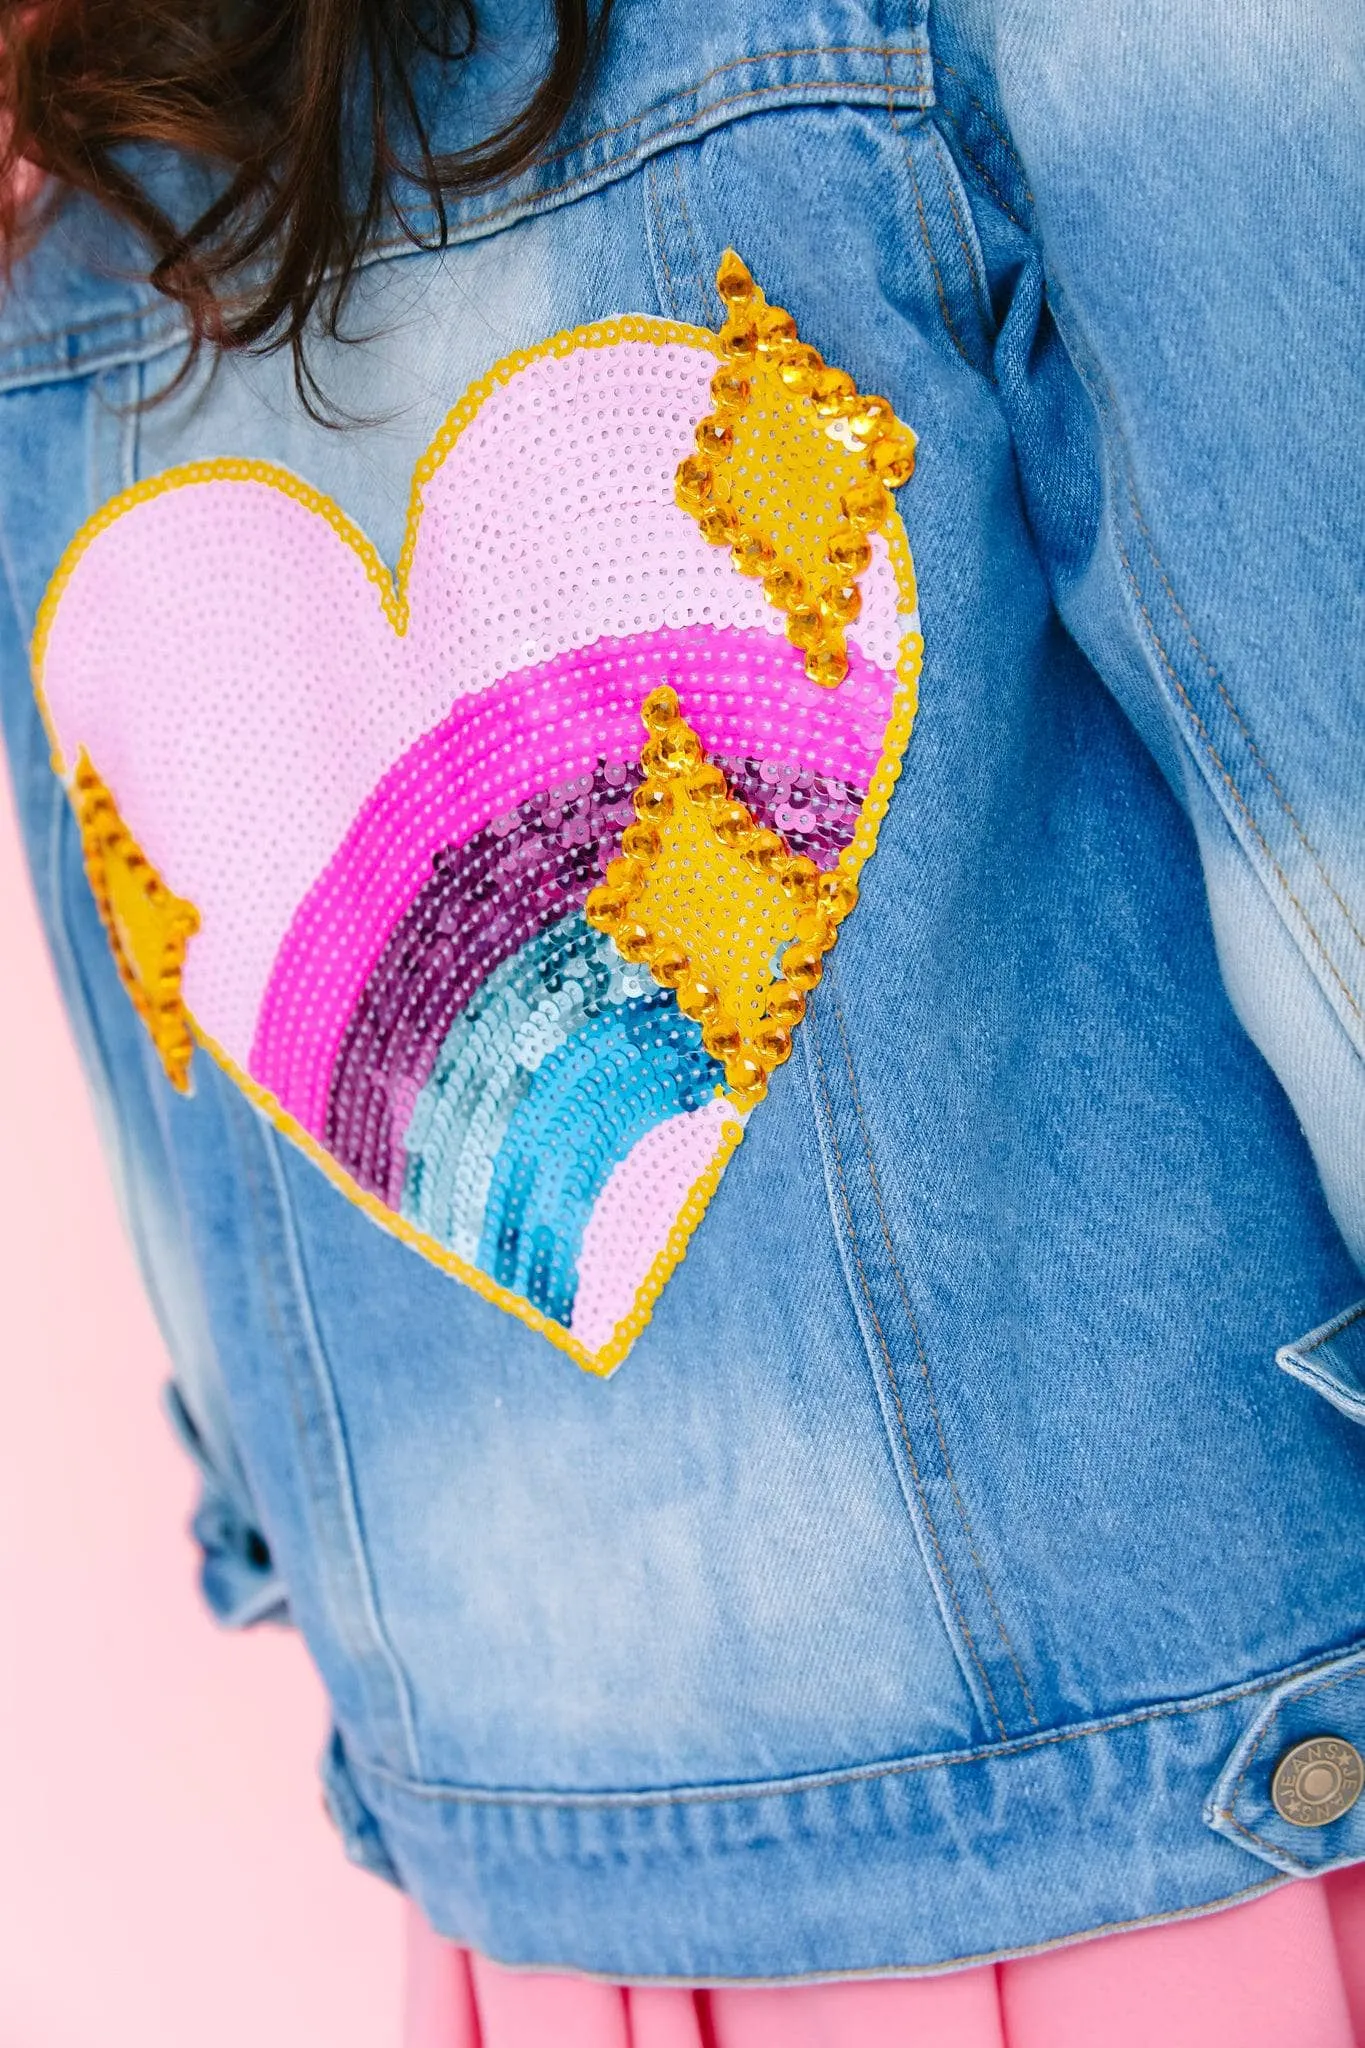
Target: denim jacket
[737,1074]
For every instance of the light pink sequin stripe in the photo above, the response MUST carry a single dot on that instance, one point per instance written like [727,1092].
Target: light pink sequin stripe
[634,1213]
[745,692]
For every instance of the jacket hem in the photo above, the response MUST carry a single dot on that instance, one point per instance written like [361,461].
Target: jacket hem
[905,1868]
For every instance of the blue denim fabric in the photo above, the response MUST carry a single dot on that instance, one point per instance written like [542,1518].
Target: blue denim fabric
[950,1562]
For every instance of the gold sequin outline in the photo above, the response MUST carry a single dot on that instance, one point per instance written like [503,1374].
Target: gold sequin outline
[391,586]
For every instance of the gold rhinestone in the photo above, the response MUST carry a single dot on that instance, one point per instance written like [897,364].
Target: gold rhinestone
[801,877]
[669,963]
[785,586]
[605,907]
[765,850]
[871,416]
[848,551]
[753,556]
[815,928]
[893,460]
[739,338]
[698,997]
[640,842]
[734,281]
[696,480]
[707,782]
[633,939]
[731,824]
[715,436]
[826,666]
[840,603]
[731,387]
[799,368]
[837,892]
[785,1004]
[831,390]
[773,1043]
[719,525]
[805,627]
[775,327]
[866,505]
[744,1074]
[652,800]
[660,708]
[673,751]
[721,1037]
[802,965]
[626,875]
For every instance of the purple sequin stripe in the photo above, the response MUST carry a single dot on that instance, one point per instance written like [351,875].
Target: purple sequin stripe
[816,814]
[484,901]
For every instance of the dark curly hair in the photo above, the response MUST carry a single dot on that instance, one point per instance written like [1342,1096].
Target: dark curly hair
[306,112]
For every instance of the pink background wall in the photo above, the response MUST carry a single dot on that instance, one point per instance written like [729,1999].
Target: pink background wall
[167,1875]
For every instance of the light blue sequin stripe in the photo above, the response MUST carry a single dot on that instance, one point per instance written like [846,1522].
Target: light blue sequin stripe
[525,1011]
[627,1070]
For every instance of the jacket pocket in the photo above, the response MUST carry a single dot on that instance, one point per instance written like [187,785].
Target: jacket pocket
[1331,1360]
[237,1574]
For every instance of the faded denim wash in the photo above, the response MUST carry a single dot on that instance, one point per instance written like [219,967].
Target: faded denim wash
[983,1511]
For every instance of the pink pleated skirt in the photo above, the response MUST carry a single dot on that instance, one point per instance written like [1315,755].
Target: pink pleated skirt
[1285,1971]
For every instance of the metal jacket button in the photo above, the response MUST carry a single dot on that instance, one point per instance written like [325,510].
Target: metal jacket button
[1317,1781]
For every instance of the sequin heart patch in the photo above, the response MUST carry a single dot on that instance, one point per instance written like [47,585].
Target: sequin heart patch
[500,881]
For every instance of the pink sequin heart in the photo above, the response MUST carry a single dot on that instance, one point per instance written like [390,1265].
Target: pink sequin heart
[387,798]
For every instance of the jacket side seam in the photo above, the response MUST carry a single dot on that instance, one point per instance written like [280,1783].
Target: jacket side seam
[959,148]
[973,268]
[893,1384]
[1225,774]
[1194,726]
[923,1359]
[311,1343]
[921,217]
[1216,678]
[1000,133]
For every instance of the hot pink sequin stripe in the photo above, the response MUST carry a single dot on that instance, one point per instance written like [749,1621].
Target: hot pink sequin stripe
[744,692]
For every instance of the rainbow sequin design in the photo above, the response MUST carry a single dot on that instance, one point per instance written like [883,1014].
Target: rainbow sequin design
[501,882]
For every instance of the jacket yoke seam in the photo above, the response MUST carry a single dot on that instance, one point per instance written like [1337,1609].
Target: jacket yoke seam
[661,136]
[1011,1747]
[886,51]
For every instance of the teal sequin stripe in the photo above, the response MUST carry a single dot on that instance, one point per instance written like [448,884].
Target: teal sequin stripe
[564,1059]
